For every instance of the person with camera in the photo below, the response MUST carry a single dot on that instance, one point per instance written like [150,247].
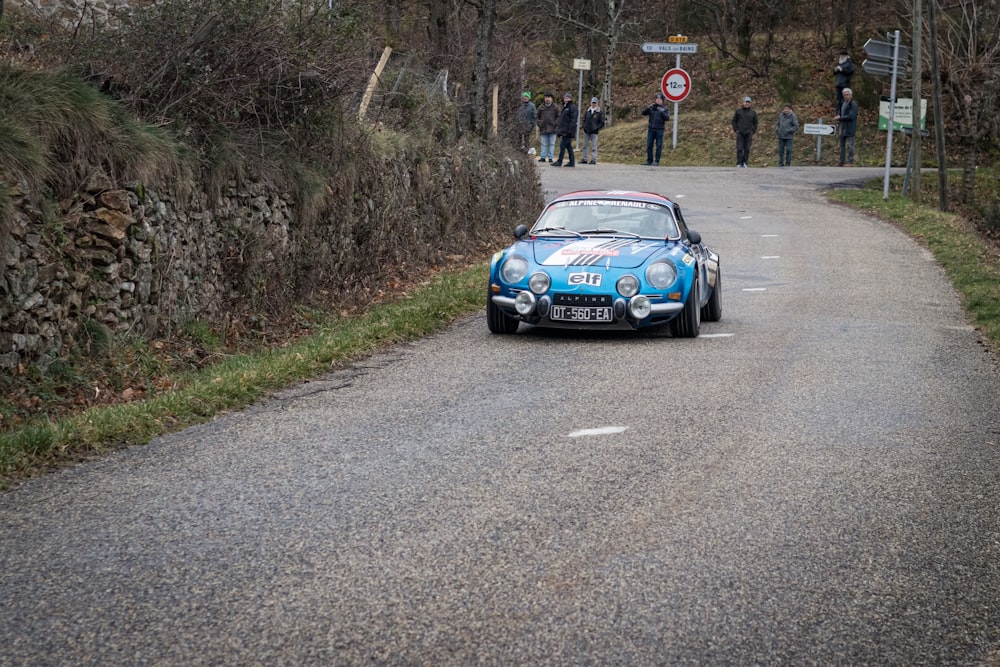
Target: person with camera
[842,73]
[658,117]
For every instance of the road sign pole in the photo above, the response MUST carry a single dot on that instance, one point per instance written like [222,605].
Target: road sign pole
[892,115]
[676,108]
[819,143]
[579,101]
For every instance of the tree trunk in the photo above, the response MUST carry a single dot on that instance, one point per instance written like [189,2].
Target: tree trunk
[968,189]
[437,28]
[609,110]
[615,10]
[487,12]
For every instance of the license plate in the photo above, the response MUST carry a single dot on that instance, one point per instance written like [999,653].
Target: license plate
[581,314]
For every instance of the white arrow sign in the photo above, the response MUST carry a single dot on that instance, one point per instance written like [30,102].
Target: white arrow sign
[816,128]
[653,47]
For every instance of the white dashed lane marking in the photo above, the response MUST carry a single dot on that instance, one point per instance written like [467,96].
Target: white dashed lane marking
[607,430]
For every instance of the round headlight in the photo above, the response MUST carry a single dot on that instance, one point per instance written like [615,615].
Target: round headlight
[639,307]
[539,282]
[628,285]
[524,303]
[661,275]
[514,269]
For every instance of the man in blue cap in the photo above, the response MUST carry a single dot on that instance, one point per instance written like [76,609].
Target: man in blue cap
[745,126]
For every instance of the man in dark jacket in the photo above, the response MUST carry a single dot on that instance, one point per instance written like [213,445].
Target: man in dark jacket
[847,116]
[842,75]
[658,117]
[548,123]
[745,126]
[567,130]
[593,121]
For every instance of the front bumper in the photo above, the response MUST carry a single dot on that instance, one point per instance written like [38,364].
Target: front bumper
[660,313]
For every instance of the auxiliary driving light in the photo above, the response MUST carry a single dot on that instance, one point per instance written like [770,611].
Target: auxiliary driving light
[639,307]
[524,303]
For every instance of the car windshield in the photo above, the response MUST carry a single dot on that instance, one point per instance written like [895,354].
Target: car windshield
[607,216]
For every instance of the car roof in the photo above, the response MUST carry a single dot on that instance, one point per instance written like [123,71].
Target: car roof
[623,195]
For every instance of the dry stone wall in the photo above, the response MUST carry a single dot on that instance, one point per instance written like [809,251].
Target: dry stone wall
[124,259]
[133,260]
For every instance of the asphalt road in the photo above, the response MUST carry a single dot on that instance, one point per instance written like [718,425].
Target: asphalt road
[814,480]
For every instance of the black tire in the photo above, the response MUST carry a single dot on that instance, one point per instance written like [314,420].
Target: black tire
[712,312]
[688,323]
[498,321]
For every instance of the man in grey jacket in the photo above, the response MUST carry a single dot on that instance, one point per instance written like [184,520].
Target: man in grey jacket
[786,127]
[847,116]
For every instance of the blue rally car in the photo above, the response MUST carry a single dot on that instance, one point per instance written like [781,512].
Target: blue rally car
[606,260]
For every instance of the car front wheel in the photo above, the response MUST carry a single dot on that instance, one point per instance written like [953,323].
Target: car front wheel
[712,312]
[688,323]
[498,321]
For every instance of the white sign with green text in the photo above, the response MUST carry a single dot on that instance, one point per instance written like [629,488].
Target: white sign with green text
[902,114]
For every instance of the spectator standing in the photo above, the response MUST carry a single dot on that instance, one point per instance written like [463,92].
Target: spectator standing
[842,73]
[548,124]
[568,119]
[658,117]
[745,126]
[847,116]
[786,127]
[526,118]
[593,122]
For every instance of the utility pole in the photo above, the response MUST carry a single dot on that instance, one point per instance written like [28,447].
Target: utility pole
[918,25]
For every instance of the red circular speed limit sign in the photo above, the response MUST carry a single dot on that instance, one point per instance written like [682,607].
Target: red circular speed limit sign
[676,84]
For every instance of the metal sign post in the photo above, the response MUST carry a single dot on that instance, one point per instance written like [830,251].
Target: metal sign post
[673,144]
[675,44]
[579,64]
[819,129]
[886,58]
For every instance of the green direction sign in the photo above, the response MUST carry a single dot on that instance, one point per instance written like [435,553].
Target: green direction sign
[902,114]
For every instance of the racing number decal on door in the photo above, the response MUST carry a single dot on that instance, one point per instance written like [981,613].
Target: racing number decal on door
[592,279]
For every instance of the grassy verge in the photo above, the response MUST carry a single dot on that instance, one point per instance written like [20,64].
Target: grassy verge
[972,264]
[239,380]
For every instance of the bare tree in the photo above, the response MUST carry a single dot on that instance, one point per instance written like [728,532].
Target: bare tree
[439,30]
[970,71]
[611,27]
[732,25]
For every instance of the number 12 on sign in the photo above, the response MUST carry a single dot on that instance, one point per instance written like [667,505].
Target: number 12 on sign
[676,84]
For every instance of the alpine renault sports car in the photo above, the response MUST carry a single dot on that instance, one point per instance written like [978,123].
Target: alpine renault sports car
[606,260]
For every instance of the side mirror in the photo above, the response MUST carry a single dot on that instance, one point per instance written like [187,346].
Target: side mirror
[520,231]
[694,237]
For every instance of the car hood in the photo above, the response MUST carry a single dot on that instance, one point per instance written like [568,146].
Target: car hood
[619,253]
